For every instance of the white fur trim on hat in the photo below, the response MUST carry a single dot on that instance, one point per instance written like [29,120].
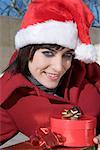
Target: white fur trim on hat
[53,32]
[86,53]
[56,32]
[97,46]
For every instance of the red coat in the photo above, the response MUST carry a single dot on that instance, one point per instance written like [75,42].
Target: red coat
[24,107]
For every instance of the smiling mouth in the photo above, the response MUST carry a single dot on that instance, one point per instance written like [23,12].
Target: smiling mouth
[52,76]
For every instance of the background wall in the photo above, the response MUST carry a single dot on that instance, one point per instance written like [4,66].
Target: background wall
[8,29]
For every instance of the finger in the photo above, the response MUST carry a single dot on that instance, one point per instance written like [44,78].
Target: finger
[98,148]
[97,140]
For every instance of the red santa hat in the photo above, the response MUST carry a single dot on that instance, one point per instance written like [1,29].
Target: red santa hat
[61,22]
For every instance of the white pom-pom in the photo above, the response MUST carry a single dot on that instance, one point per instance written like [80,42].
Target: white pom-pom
[86,53]
[97,46]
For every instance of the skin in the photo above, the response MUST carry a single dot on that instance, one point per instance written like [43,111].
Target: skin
[97,141]
[49,65]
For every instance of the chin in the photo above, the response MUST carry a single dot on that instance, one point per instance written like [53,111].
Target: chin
[51,86]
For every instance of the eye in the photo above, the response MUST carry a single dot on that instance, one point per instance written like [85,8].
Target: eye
[68,56]
[48,53]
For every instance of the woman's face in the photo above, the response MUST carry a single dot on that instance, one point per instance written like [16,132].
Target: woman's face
[49,65]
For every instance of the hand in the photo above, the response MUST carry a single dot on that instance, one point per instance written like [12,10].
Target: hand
[97,141]
[46,139]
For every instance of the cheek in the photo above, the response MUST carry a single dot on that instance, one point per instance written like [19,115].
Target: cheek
[31,67]
[67,65]
[36,66]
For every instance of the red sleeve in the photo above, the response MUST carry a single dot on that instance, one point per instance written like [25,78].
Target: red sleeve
[90,102]
[7,127]
[88,99]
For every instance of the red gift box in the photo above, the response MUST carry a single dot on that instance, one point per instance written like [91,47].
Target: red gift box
[78,133]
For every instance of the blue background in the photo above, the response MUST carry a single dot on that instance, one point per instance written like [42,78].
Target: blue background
[7,9]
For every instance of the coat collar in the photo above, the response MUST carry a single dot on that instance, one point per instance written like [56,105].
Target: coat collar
[19,81]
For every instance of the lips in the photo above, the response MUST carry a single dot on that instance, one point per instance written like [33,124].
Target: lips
[52,76]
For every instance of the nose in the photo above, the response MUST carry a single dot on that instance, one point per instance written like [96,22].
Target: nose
[57,64]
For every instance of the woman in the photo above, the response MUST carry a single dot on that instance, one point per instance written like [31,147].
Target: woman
[44,78]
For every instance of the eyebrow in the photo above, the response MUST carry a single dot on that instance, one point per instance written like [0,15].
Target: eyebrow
[48,48]
[70,50]
[55,50]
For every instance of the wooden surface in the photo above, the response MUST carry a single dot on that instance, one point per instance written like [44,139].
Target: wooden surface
[21,146]
[29,146]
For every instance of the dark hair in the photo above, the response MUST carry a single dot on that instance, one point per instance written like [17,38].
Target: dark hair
[20,64]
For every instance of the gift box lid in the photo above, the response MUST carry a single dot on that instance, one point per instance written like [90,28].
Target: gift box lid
[85,122]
